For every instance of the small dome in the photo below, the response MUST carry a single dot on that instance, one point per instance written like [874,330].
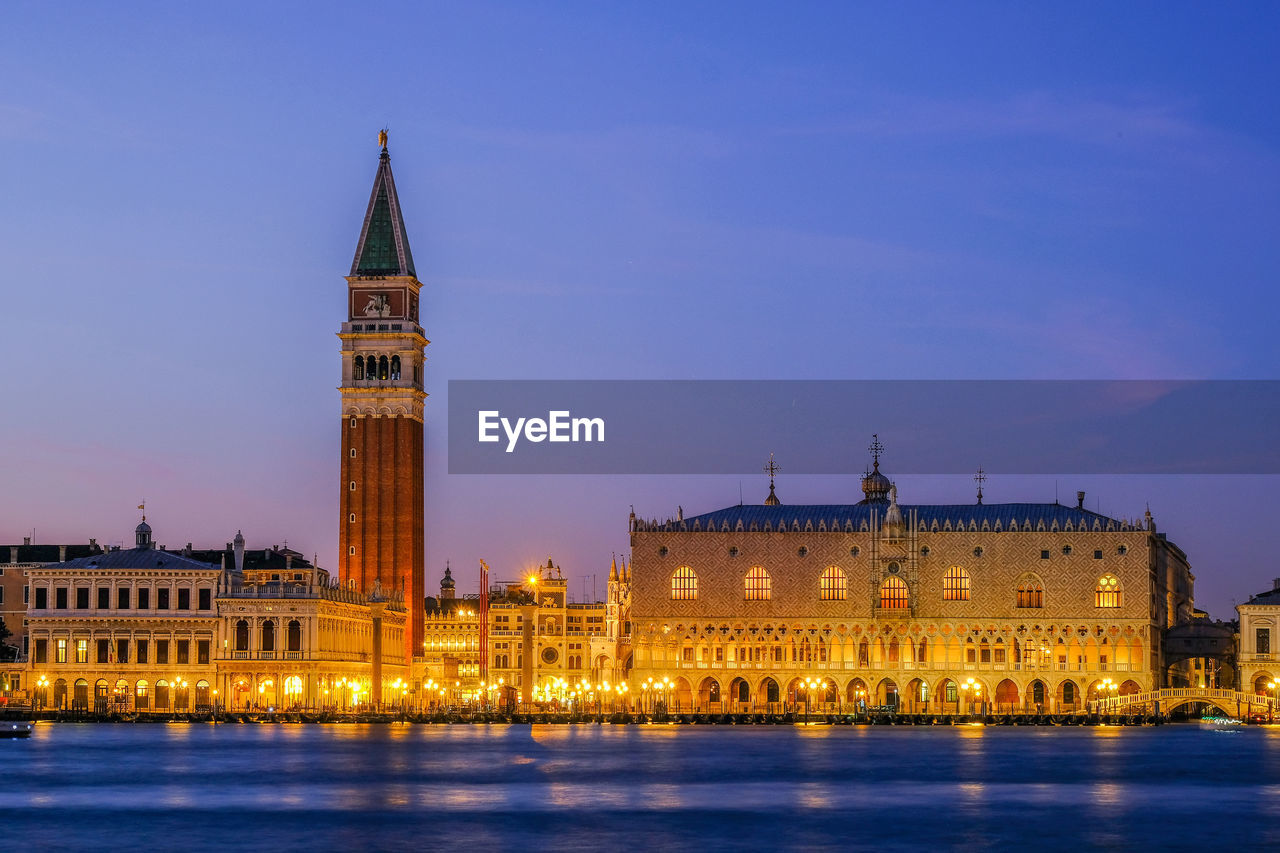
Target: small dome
[142,534]
[875,486]
[446,582]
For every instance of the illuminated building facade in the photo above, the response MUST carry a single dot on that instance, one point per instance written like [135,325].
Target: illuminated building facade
[536,637]
[926,608]
[1257,656]
[148,629]
[15,560]
[123,630]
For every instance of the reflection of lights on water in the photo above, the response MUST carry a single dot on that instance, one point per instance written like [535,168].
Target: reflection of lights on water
[814,795]
[1108,794]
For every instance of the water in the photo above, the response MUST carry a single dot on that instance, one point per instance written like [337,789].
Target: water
[352,787]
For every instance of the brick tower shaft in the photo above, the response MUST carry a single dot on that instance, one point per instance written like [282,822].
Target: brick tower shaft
[381,533]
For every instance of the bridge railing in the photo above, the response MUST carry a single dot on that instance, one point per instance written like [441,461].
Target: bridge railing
[1113,704]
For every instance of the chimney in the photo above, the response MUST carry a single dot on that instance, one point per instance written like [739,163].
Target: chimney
[26,540]
[1275,583]
[13,553]
[93,544]
[62,553]
[1079,500]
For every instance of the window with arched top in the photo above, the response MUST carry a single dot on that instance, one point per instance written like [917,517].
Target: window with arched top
[295,636]
[242,636]
[268,636]
[684,584]
[757,585]
[357,370]
[395,367]
[1030,592]
[835,584]
[1107,593]
[894,594]
[955,584]
[383,369]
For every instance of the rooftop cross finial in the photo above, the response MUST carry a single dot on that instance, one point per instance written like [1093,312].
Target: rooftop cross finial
[876,449]
[980,478]
[771,468]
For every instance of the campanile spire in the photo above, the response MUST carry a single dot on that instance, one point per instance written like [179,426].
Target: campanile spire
[381,533]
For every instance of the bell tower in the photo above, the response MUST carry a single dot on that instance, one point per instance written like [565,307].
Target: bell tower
[381,529]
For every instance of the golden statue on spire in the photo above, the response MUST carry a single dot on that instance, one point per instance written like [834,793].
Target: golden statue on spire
[382,137]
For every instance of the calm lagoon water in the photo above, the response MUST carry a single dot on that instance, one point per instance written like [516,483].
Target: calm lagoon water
[353,787]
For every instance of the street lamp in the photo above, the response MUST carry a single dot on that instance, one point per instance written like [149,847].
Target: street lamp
[973,691]
[810,684]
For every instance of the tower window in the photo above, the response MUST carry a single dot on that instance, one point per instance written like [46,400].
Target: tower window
[353,423]
[357,371]
[353,453]
[353,485]
[352,550]
[395,367]
[352,518]
[383,368]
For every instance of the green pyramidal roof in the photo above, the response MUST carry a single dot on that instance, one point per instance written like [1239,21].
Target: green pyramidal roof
[384,247]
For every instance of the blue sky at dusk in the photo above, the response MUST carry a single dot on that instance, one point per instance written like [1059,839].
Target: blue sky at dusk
[685,191]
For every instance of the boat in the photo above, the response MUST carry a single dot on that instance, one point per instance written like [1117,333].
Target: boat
[1218,722]
[15,730]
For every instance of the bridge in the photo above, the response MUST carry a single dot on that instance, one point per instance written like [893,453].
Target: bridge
[1229,702]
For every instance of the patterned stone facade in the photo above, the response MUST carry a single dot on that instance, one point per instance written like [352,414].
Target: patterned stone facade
[1096,593]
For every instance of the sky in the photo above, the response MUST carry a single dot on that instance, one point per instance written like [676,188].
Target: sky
[614,191]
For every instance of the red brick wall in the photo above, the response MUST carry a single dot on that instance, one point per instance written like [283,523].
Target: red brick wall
[388,533]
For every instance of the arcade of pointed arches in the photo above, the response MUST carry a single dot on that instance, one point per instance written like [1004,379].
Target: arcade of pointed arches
[1050,668]
[946,694]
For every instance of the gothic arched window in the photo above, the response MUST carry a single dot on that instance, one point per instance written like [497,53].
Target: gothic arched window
[1030,592]
[894,594]
[758,586]
[684,584]
[835,584]
[1107,593]
[955,584]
